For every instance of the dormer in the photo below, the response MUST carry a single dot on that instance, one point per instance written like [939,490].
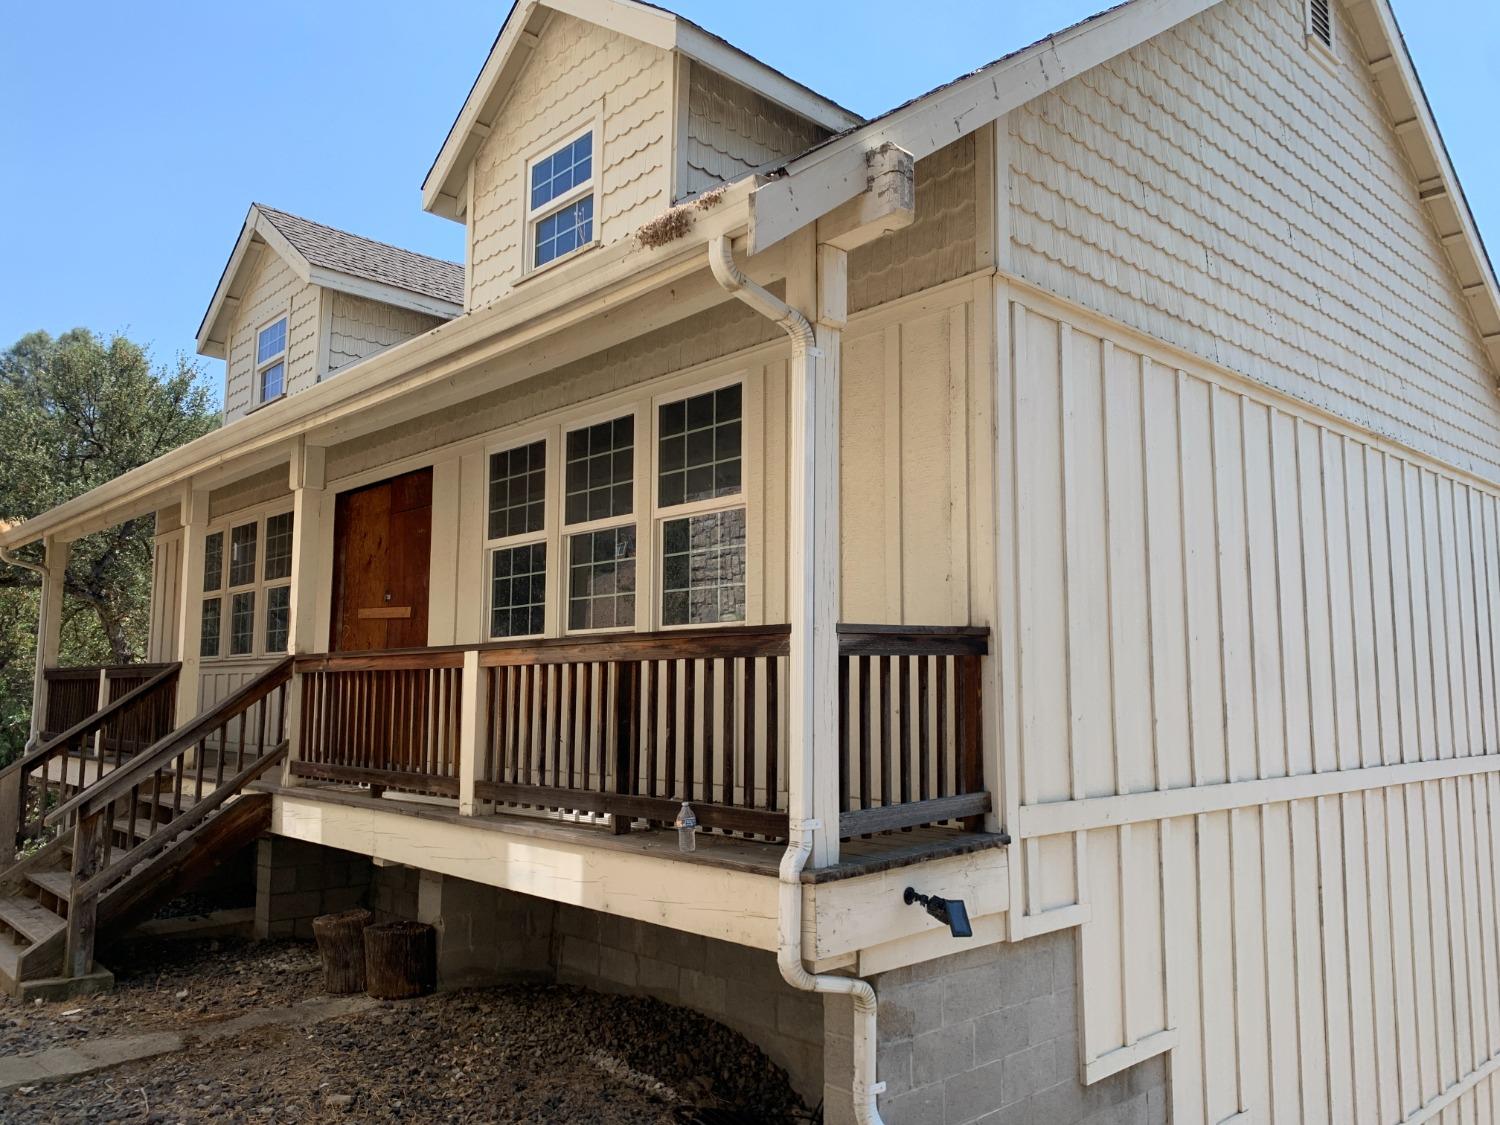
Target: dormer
[592,117]
[299,301]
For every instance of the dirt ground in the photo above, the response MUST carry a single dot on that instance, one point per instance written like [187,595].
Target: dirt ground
[518,1054]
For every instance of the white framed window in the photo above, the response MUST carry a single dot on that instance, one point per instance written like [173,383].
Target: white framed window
[700,508]
[247,588]
[599,511]
[628,516]
[516,540]
[270,360]
[560,199]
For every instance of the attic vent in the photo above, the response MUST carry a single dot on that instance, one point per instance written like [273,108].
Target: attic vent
[1320,21]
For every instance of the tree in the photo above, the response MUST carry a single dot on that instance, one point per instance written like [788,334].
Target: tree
[76,411]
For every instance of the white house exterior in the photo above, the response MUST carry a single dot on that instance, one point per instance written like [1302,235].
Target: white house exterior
[1136,396]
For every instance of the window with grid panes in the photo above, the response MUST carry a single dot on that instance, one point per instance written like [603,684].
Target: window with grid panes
[211,624]
[599,484]
[277,568]
[518,490]
[700,463]
[561,202]
[518,590]
[517,523]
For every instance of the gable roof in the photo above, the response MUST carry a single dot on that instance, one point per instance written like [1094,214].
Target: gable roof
[442,190]
[334,259]
[833,171]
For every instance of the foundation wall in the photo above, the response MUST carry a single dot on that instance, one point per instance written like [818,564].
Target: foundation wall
[986,1036]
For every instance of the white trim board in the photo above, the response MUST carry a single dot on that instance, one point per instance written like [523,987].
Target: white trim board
[1054,817]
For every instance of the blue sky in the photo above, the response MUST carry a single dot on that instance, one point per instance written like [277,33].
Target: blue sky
[136,135]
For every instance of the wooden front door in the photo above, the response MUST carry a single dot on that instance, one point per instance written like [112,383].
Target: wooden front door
[382,552]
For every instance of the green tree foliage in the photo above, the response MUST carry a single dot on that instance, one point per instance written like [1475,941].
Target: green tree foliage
[76,411]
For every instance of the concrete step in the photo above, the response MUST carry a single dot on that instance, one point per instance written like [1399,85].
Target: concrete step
[29,918]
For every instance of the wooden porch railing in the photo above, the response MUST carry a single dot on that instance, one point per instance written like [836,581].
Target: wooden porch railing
[635,725]
[165,791]
[73,694]
[632,725]
[384,719]
[139,710]
[909,727]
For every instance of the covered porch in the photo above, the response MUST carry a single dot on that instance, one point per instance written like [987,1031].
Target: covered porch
[394,505]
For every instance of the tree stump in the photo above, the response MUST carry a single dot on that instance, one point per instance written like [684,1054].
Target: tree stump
[341,943]
[400,960]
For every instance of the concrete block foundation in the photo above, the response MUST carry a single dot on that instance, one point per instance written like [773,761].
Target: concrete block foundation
[984,1036]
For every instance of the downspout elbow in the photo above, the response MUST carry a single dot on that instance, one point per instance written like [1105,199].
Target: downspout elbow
[733,280]
[39,569]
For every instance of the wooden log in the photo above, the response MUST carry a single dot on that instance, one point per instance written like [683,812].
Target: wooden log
[341,944]
[400,960]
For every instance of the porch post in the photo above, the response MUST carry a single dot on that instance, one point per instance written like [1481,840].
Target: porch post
[308,480]
[190,592]
[49,628]
[816,285]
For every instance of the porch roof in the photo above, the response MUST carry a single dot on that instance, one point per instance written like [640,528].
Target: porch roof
[369,395]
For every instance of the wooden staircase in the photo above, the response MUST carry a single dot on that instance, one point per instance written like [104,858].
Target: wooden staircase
[104,841]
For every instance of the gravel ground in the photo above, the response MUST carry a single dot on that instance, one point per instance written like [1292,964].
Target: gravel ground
[168,984]
[521,1054]
[497,1055]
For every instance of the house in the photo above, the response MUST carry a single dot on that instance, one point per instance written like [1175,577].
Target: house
[1074,493]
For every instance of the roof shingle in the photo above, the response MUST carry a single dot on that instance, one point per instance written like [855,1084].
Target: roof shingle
[363,257]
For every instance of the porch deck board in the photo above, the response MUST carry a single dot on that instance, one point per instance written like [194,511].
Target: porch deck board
[756,857]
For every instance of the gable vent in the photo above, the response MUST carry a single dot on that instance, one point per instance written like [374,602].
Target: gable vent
[1320,21]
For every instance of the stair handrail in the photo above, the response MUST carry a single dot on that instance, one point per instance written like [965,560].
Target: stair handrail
[13,778]
[95,866]
[148,761]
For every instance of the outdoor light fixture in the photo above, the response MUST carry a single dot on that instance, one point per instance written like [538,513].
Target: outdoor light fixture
[687,828]
[951,912]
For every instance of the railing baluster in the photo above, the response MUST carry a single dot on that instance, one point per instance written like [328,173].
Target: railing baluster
[864,731]
[689,728]
[844,755]
[887,751]
[672,735]
[773,732]
[942,725]
[728,665]
[751,663]
[904,714]
[650,727]
[709,717]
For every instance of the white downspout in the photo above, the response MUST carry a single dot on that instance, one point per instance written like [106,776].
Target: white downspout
[799,844]
[41,570]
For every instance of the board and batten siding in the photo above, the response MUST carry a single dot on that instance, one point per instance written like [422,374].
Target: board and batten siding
[732,130]
[166,596]
[275,291]
[578,72]
[359,327]
[1221,188]
[1249,684]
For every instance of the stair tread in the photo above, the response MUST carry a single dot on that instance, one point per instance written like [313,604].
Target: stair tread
[58,883]
[29,918]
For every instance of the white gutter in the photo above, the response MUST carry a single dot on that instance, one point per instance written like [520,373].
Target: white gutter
[799,845]
[41,570]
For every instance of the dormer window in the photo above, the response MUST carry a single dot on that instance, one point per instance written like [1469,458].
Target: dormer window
[560,206]
[270,360]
